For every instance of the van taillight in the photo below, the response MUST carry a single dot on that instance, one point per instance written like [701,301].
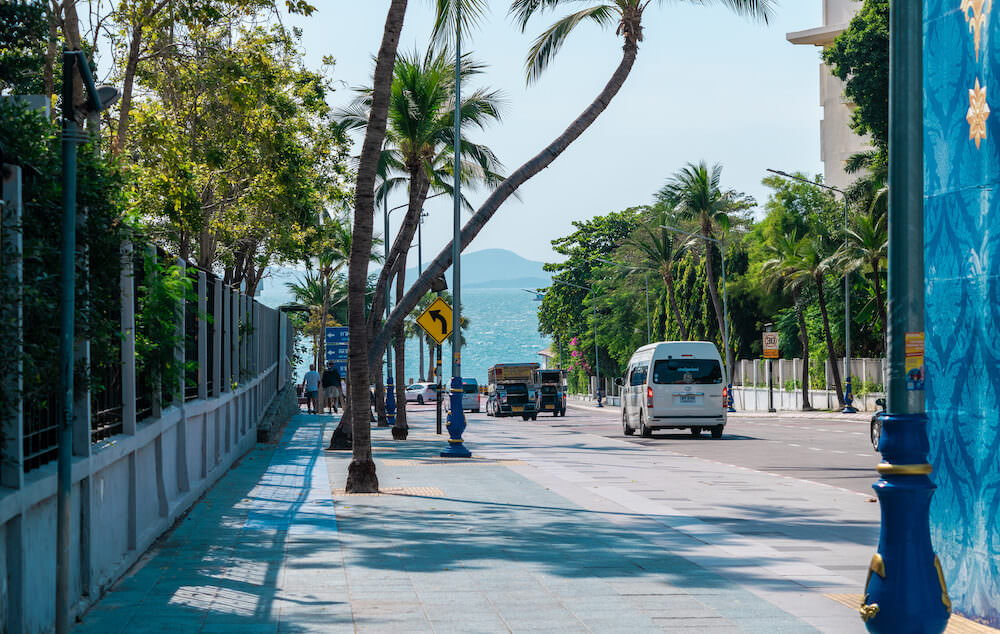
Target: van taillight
[649,396]
[725,400]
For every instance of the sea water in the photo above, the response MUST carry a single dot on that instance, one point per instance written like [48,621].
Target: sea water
[503,328]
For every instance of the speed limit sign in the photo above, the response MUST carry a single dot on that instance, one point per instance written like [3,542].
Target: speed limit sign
[771,345]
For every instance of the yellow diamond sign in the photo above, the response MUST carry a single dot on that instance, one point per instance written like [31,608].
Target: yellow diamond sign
[436,320]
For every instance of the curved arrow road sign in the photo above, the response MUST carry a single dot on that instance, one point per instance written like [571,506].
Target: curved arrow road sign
[436,320]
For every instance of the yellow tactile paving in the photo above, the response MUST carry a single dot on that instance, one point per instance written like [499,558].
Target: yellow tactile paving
[957,624]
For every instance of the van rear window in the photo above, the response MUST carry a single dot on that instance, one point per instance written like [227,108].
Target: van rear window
[681,371]
[470,388]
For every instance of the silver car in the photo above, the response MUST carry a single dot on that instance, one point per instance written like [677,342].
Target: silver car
[421,393]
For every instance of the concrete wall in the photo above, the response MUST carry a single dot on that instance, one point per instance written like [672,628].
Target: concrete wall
[129,488]
[962,267]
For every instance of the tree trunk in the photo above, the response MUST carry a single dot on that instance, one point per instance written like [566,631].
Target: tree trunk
[321,363]
[380,397]
[127,82]
[835,370]
[507,188]
[804,339]
[400,430]
[713,287]
[420,347]
[361,477]
[48,74]
[881,304]
[668,281]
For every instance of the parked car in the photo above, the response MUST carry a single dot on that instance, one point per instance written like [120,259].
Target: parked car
[421,393]
[674,385]
[470,396]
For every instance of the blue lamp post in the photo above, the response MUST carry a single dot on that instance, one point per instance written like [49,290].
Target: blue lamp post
[456,417]
[905,590]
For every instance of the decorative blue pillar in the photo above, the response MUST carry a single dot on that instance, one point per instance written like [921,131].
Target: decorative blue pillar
[456,423]
[390,401]
[905,590]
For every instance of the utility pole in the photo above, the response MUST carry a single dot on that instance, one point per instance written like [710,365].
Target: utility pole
[456,418]
[905,590]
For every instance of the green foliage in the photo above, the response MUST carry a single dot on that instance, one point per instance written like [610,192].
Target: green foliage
[860,57]
[32,140]
[159,306]
[23,35]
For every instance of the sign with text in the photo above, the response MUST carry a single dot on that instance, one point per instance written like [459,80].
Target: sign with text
[914,361]
[436,320]
[336,348]
[771,345]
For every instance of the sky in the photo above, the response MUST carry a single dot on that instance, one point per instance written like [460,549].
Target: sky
[707,85]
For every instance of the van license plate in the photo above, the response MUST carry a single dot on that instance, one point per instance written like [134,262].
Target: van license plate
[689,398]
[516,408]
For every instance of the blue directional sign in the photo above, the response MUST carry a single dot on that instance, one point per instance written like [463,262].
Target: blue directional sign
[336,348]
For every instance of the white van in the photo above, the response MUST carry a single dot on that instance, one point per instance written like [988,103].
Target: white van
[674,385]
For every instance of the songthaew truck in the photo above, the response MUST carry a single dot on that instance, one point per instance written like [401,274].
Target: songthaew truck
[511,391]
[551,385]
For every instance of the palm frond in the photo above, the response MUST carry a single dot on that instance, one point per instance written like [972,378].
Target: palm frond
[545,47]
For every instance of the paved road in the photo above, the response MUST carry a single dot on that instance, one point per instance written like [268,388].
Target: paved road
[831,450]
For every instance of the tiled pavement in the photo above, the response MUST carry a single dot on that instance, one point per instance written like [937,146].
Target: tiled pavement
[543,531]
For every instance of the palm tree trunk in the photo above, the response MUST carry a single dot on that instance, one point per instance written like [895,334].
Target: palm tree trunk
[321,360]
[400,430]
[881,303]
[506,189]
[713,286]
[668,281]
[804,340]
[361,477]
[829,342]
[380,396]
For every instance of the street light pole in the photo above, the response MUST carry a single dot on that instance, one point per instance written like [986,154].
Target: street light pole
[390,389]
[848,392]
[905,590]
[456,418]
[725,311]
[597,359]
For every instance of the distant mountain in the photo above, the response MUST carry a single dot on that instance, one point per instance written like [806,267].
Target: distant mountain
[496,268]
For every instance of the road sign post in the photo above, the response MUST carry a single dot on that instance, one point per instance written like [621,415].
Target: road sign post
[771,352]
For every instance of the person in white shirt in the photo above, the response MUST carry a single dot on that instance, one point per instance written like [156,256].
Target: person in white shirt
[310,385]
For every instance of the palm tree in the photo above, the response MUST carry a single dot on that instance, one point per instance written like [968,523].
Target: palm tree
[867,248]
[628,15]
[781,272]
[695,195]
[361,477]
[813,265]
[659,250]
[419,144]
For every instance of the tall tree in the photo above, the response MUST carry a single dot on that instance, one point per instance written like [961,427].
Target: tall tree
[361,477]
[783,271]
[419,145]
[659,249]
[695,194]
[867,249]
[627,16]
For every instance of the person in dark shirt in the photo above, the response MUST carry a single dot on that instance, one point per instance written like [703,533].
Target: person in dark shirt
[331,385]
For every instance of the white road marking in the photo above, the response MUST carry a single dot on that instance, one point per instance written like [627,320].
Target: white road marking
[791,444]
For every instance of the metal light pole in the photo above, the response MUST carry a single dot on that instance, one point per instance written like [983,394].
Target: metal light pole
[725,310]
[420,270]
[390,389]
[597,358]
[848,392]
[905,590]
[642,268]
[456,418]
[74,65]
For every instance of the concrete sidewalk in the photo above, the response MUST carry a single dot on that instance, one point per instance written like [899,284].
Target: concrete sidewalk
[542,530]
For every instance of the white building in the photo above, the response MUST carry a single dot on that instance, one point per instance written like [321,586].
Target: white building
[837,141]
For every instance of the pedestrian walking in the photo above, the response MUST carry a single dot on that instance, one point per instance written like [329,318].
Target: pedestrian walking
[310,384]
[331,385]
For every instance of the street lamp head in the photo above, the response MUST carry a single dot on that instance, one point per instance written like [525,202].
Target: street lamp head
[108,95]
